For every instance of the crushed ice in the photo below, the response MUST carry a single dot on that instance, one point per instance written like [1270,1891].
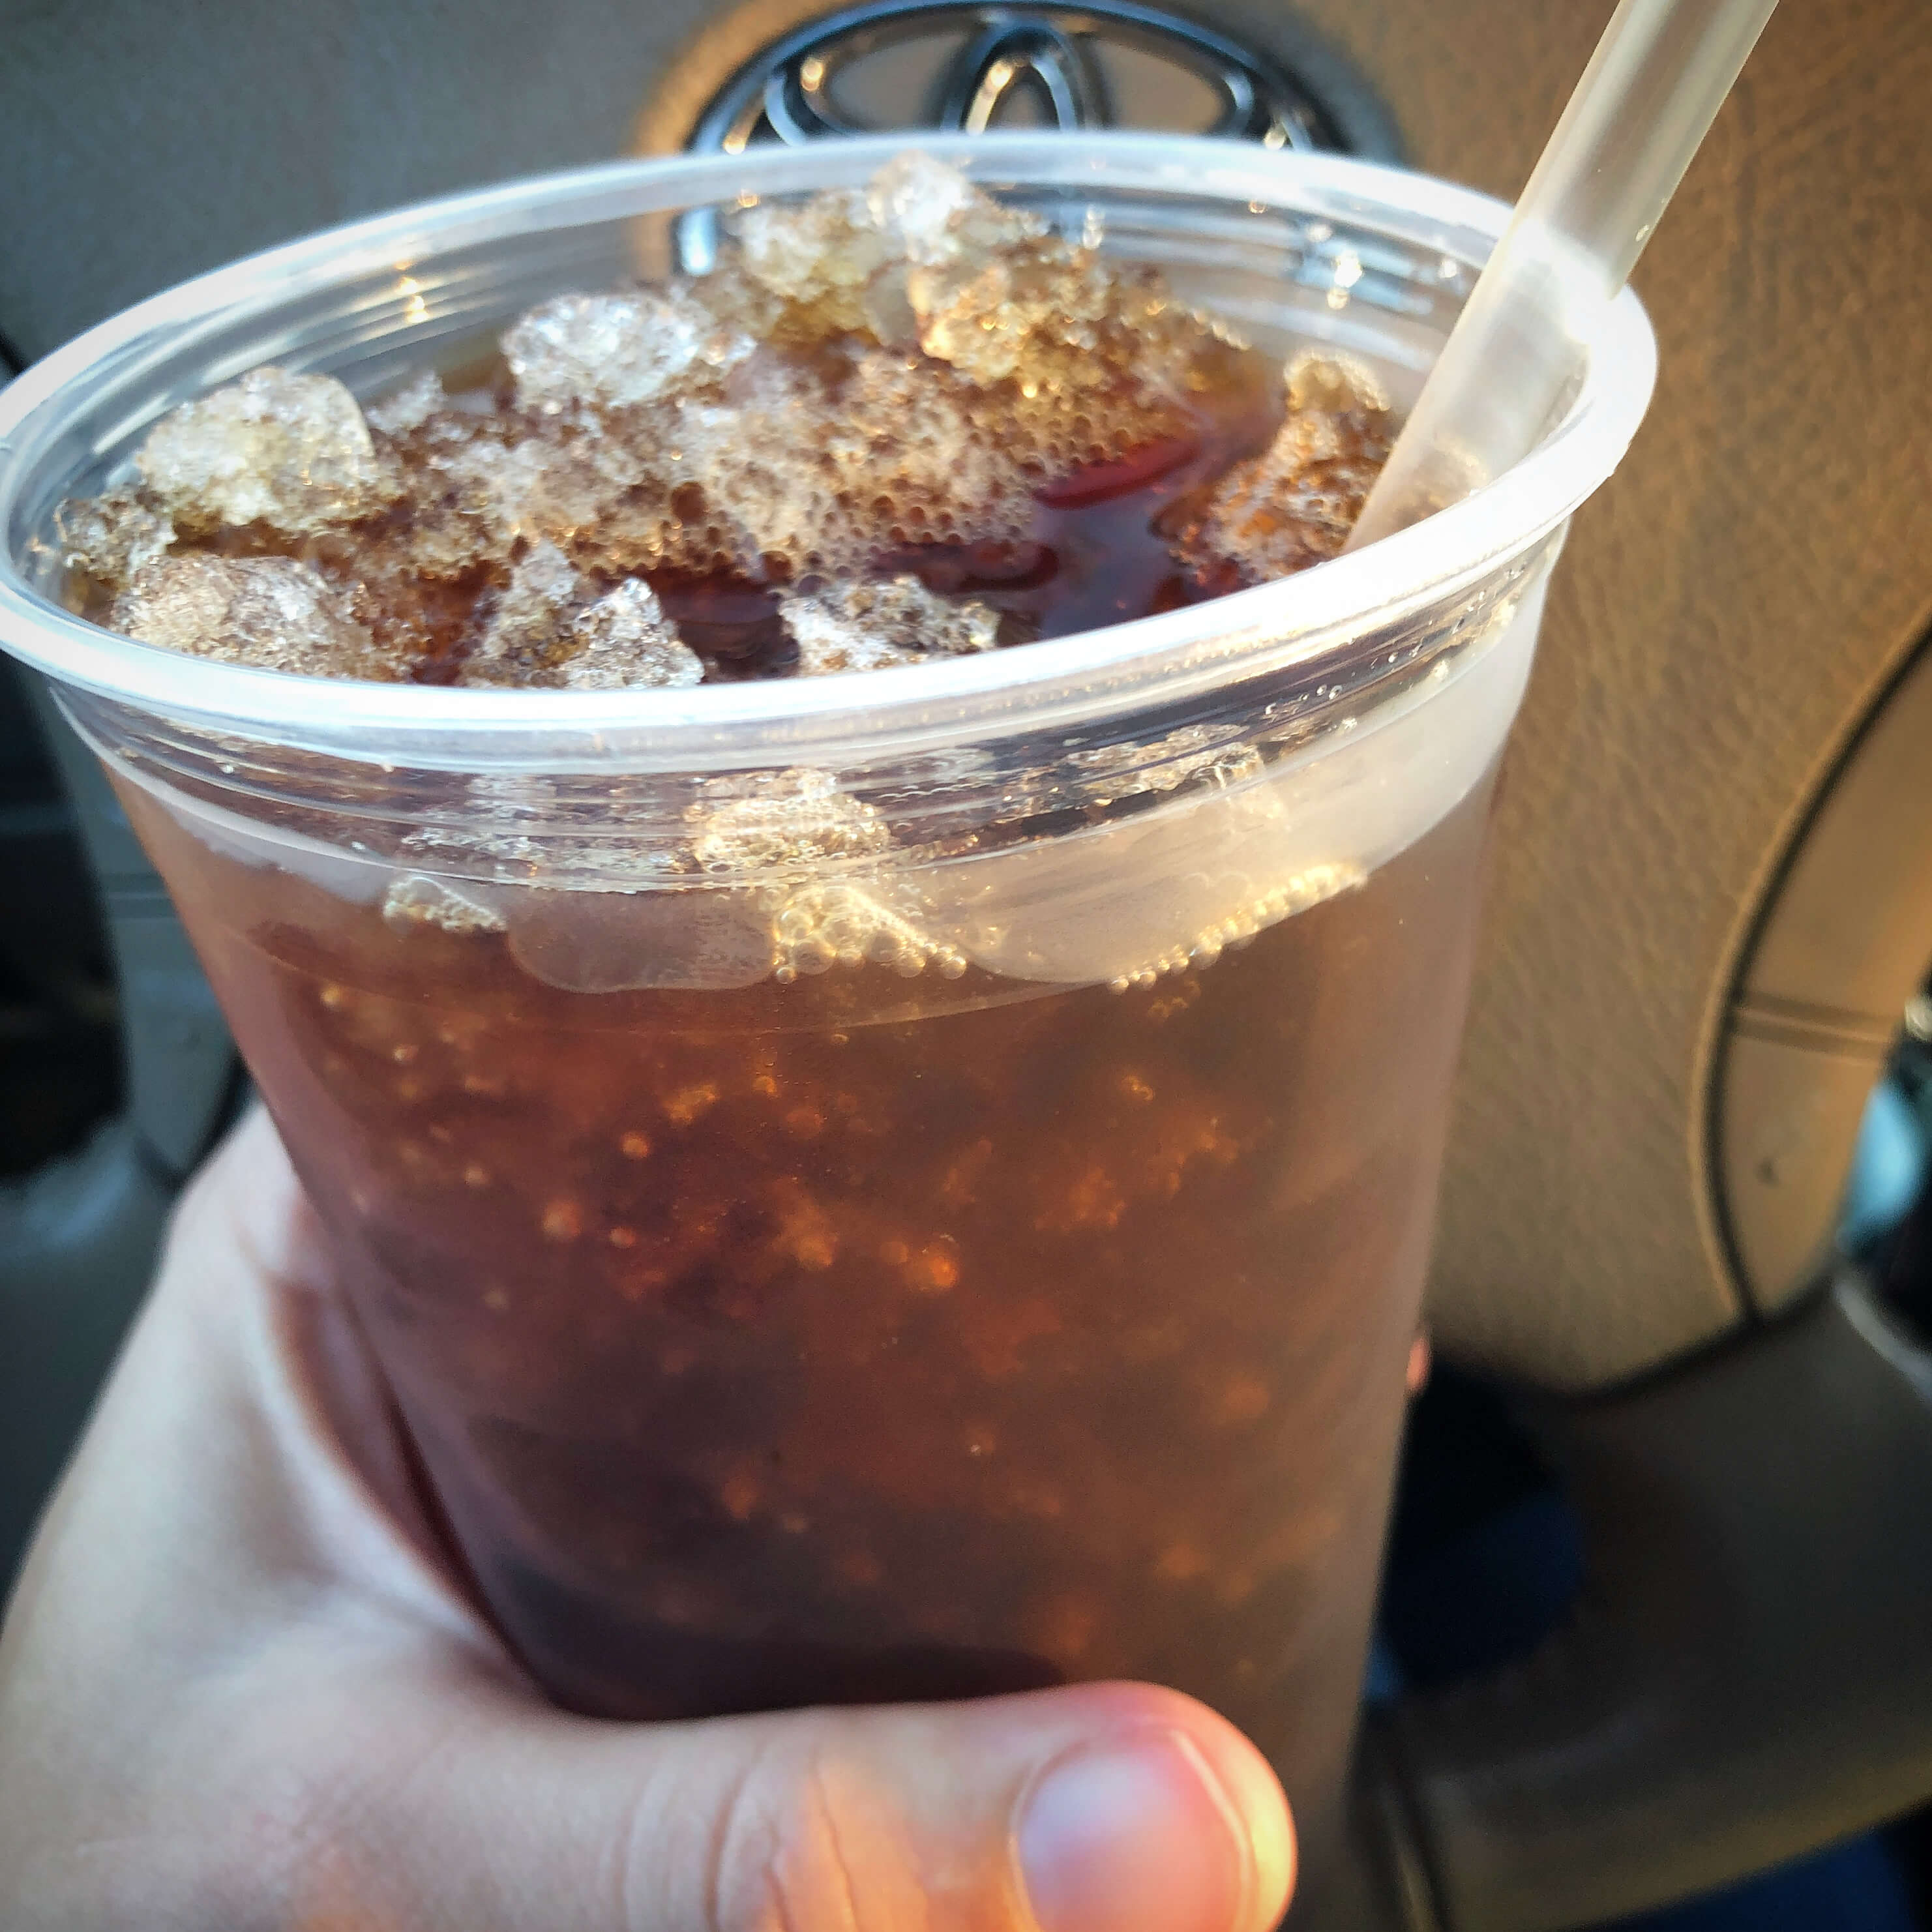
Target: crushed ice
[770,821]
[290,452]
[273,613]
[112,536]
[616,352]
[550,627]
[860,626]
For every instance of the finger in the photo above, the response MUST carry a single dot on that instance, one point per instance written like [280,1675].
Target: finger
[237,1534]
[369,1759]
[1418,1364]
[244,1450]
[1113,1807]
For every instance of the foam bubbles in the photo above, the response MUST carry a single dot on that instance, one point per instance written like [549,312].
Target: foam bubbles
[1295,505]
[532,489]
[916,452]
[819,468]
[841,923]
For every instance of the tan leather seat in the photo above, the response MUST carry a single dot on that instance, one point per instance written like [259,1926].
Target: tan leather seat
[1675,1028]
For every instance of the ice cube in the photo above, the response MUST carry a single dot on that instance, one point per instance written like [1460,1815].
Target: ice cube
[828,643]
[624,641]
[410,407]
[825,255]
[532,825]
[502,836]
[1083,358]
[1233,849]
[929,211]
[550,629]
[817,255]
[767,821]
[615,351]
[526,633]
[1149,894]
[981,314]
[290,452]
[273,613]
[112,536]
[419,899]
[857,626]
[915,200]
[1195,755]
[1294,504]
[767,825]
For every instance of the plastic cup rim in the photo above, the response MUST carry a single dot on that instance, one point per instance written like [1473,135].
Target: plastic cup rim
[1091,674]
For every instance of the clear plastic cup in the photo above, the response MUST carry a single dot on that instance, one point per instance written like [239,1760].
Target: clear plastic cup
[906,1184]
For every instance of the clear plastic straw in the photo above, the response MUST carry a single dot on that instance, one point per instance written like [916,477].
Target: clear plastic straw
[1654,85]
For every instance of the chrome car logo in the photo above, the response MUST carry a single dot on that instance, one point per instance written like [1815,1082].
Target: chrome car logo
[908,64]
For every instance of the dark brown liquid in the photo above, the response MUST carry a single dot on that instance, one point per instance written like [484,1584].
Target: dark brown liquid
[764,1352]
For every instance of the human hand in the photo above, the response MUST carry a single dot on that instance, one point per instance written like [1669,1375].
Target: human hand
[242,1686]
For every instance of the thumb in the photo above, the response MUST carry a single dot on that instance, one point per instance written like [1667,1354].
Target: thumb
[1109,1807]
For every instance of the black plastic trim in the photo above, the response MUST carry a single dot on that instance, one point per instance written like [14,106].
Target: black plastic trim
[1748,1676]
[78,1237]
[180,1059]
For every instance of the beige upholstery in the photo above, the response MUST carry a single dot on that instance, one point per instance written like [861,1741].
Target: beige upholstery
[1723,617]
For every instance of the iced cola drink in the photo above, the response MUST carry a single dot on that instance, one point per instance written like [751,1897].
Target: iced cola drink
[867,998]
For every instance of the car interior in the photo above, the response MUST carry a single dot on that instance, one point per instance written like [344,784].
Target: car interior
[1655,1643]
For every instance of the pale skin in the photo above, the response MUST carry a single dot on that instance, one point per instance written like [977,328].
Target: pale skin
[241,1687]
